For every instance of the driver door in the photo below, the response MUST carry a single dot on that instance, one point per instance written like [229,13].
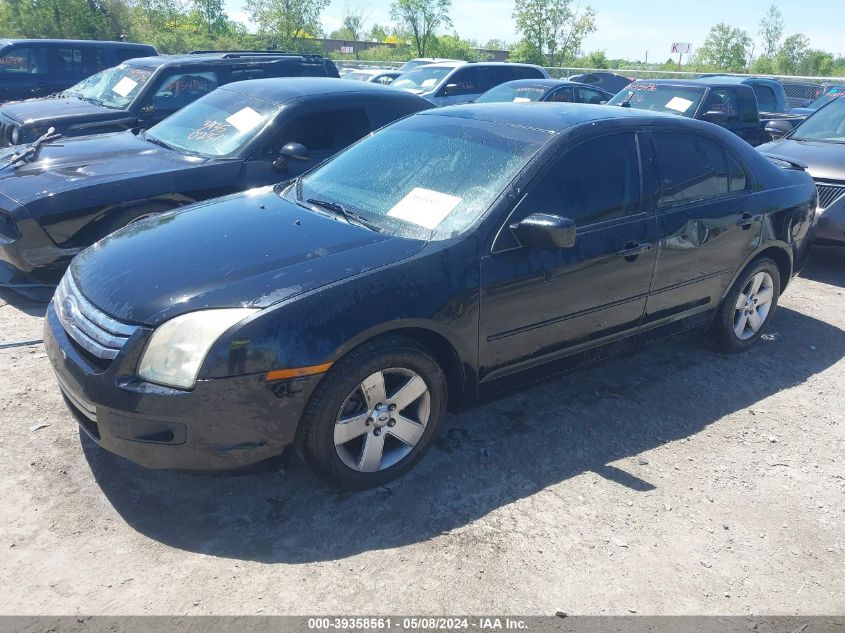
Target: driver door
[540,304]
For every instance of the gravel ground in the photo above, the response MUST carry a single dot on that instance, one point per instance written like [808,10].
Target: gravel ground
[677,481]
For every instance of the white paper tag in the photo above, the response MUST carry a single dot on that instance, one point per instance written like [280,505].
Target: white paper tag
[245,120]
[428,83]
[124,86]
[678,104]
[521,100]
[424,207]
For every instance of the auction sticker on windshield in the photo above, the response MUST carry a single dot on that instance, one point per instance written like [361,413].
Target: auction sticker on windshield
[424,207]
[124,86]
[428,83]
[245,120]
[521,100]
[678,104]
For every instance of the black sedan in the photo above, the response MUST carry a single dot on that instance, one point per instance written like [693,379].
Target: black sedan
[60,196]
[818,145]
[556,90]
[451,256]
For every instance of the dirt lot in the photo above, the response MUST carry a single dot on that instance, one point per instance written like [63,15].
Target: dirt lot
[677,481]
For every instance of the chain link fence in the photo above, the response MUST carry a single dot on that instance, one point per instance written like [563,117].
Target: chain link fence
[800,91]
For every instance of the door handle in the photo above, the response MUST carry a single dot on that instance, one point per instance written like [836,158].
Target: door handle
[633,249]
[747,219]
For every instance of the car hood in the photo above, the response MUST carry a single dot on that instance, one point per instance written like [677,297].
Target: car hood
[73,163]
[825,161]
[246,250]
[57,109]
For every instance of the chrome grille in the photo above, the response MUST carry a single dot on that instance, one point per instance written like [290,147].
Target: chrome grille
[828,194]
[94,331]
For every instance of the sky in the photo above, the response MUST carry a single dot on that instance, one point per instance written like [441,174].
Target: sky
[625,28]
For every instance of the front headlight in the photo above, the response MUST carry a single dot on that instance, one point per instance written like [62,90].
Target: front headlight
[178,347]
[15,136]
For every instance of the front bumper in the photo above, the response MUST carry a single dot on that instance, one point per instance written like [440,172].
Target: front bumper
[223,424]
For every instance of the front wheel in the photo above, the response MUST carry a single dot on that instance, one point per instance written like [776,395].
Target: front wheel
[748,307]
[374,415]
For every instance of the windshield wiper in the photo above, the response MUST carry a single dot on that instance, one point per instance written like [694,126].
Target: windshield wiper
[32,149]
[155,141]
[348,215]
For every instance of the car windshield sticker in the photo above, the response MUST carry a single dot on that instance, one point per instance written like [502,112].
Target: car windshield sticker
[124,86]
[678,104]
[428,83]
[209,131]
[245,120]
[424,207]
[521,100]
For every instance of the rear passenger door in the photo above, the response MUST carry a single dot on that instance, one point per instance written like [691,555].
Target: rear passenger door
[709,221]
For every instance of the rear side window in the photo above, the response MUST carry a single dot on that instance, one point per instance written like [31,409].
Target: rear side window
[243,74]
[332,130]
[80,60]
[596,181]
[561,95]
[691,168]
[766,100]
[22,60]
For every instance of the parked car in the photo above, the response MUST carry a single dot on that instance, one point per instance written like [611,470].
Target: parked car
[64,197]
[556,90]
[449,257]
[770,94]
[818,145]
[730,104]
[424,61]
[142,92]
[830,93]
[383,76]
[37,68]
[451,83]
[611,82]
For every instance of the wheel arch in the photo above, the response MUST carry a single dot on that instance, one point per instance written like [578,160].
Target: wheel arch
[779,252]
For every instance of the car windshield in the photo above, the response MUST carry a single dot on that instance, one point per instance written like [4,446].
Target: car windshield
[414,63]
[660,98]
[422,79]
[826,124]
[218,124]
[114,88]
[426,177]
[518,93]
[358,76]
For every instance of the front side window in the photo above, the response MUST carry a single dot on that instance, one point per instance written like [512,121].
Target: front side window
[219,124]
[114,88]
[179,89]
[723,100]
[326,130]
[691,168]
[425,177]
[464,82]
[421,80]
[586,95]
[595,181]
[24,60]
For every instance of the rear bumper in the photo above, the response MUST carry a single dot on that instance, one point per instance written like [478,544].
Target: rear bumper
[222,424]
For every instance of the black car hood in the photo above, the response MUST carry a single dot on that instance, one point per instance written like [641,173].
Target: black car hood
[73,163]
[825,161]
[57,109]
[246,250]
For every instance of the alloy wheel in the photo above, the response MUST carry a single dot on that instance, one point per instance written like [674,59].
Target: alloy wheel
[753,305]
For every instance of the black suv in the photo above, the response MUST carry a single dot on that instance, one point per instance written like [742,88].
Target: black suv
[144,91]
[37,68]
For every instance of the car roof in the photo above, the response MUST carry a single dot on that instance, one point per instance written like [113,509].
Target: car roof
[280,89]
[550,83]
[221,58]
[708,82]
[374,71]
[733,79]
[4,41]
[458,64]
[549,117]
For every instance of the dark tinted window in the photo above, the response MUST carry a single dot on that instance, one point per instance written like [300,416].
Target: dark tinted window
[466,82]
[766,100]
[122,54]
[24,60]
[561,95]
[595,181]
[691,168]
[526,72]
[737,176]
[587,95]
[723,100]
[243,74]
[179,89]
[381,115]
[320,131]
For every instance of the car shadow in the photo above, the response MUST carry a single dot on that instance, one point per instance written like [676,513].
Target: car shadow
[483,459]
[826,265]
[21,303]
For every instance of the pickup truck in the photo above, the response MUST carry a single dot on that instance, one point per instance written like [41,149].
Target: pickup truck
[724,101]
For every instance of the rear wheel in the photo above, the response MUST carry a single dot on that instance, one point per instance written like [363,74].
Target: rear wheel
[748,307]
[374,415]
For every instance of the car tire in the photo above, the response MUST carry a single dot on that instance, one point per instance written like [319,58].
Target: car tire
[350,430]
[748,307]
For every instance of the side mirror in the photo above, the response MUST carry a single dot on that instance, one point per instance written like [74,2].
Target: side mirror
[450,90]
[603,102]
[291,151]
[715,116]
[544,229]
[778,129]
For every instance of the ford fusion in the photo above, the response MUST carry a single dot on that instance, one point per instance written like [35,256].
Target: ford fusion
[447,258]
[58,196]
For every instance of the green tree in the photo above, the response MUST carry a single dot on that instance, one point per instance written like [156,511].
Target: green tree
[421,18]
[212,15]
[288,24]
[726,49]
[497,45]
[771,30]
[554,28]
[527,52]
